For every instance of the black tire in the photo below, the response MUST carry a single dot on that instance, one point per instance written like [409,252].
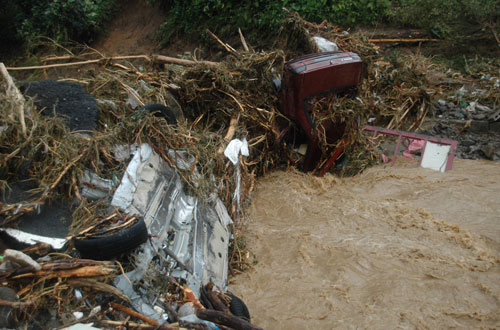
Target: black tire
[238,307]
[108,246]
[161,110]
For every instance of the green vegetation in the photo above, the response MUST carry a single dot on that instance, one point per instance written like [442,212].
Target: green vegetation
[60,20]
[256,17]
[80,20]
[453,19]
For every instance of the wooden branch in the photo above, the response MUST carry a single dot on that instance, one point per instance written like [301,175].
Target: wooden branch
[135,314]
[38,250]
[114,228]
[243,41]
[217,303]
[204,298]
[24,144]
[180,61]
[86,271]
[233,123]
[86,230]
[190,297]
[16,96]
[492,28]
[403,40]
[157,58]
[98,286]
[135,325]
[232,128]
[227,47]
[172,255]
[225,319]
[172,314]
[64,171]
[15,304]
[58,65]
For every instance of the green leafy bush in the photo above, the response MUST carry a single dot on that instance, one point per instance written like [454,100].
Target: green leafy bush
[449,18]
[261,16]
[78,20]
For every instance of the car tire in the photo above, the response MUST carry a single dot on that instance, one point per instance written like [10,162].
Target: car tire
[164,111]
[110,245]
[238,307]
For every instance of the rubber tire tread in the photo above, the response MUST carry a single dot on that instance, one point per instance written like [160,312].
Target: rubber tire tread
[238,307]
[162,111]
[106,247]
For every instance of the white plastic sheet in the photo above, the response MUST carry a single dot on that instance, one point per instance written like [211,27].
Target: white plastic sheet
[234,148]
[325,45]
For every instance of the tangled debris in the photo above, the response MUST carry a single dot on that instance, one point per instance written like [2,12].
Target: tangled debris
[221,101]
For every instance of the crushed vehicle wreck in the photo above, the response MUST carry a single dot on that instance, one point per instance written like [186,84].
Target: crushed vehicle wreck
[172,236]
[189,237]
[305,78]
[191,233]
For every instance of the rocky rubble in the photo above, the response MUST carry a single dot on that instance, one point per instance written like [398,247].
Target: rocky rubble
[474,125]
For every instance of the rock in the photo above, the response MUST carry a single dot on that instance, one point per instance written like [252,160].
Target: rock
[21,259]
[5,311]
[482,108]
[467,143]
[459,114]
[495,127]
[479,126]
[185,310]
[478,116]
[489,151]
[471,107]
[496,156]
[495,116]
[68,100]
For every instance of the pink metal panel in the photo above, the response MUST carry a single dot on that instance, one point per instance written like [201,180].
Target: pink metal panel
[452,143]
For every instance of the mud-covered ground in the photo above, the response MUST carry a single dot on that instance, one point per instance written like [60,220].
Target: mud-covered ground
[401,247]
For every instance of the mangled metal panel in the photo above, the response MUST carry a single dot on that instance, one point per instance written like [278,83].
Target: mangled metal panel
[194,231]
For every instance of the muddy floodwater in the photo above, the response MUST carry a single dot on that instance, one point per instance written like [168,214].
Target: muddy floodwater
[393,248]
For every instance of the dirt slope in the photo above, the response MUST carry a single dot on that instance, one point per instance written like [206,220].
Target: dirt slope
[132,31]
[394,248]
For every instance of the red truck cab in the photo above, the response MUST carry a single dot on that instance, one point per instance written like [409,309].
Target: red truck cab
[310,75]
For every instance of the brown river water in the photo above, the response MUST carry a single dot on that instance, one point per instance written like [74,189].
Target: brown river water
[393,248]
